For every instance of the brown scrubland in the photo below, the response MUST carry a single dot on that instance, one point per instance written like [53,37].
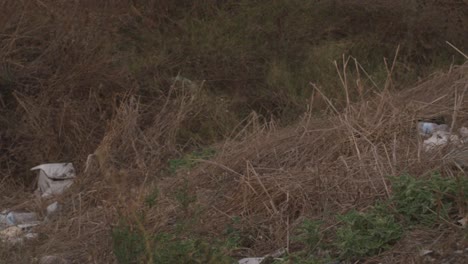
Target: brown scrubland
[214,122]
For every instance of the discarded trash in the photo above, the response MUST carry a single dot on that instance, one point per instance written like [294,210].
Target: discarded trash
[424,252]
[459,157]
[53,208]
[439,138]
[54,178]
[268,259]
[92,163]
[15,227]
[11,235]
[463,132]
[28,227]
[3,221]
[428,128]
[11,232]
[183,80]
[463,222]
[31,235]
[15,218]
[251,260]
[53,260]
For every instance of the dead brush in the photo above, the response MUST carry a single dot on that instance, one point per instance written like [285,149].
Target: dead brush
[274,178]
[69,99]
[129,157]
[62,81]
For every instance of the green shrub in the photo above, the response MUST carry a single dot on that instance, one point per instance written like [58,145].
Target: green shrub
[128,245]
[309,234]
[169,249]
[361,234]
[424,201]
[133,246]
[233,233]
[366,234]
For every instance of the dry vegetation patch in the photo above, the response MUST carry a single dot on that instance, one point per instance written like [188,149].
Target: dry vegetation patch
[274,178]
[84,77]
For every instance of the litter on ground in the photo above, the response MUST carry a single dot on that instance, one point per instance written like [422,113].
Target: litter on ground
[428,128]
[439,135]
[54,178]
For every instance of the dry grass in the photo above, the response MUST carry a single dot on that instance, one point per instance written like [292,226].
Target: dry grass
[66,93]
[274,178]
[65,98]
[271,178]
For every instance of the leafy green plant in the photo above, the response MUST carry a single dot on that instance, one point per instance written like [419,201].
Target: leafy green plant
[128,245]
[133,246]
[424,201]
[366,234]
[417,201]
[309,234]
[170,249]
[233,234]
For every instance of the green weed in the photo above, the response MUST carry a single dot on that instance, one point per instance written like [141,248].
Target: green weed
[366,234]
[133,246]
[128,245]
[233,234]
[170,249]
[309,235]
[425,201]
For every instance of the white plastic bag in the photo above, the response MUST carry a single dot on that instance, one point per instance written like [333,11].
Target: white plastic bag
[429,128]
[251,260]
[54,178]
[16,218]
[438,139]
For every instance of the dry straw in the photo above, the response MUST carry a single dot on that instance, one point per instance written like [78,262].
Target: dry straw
[273,178]
[71,100]
[269,177]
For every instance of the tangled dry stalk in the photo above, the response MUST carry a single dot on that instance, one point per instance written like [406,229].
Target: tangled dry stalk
[67,98]
[274,178]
